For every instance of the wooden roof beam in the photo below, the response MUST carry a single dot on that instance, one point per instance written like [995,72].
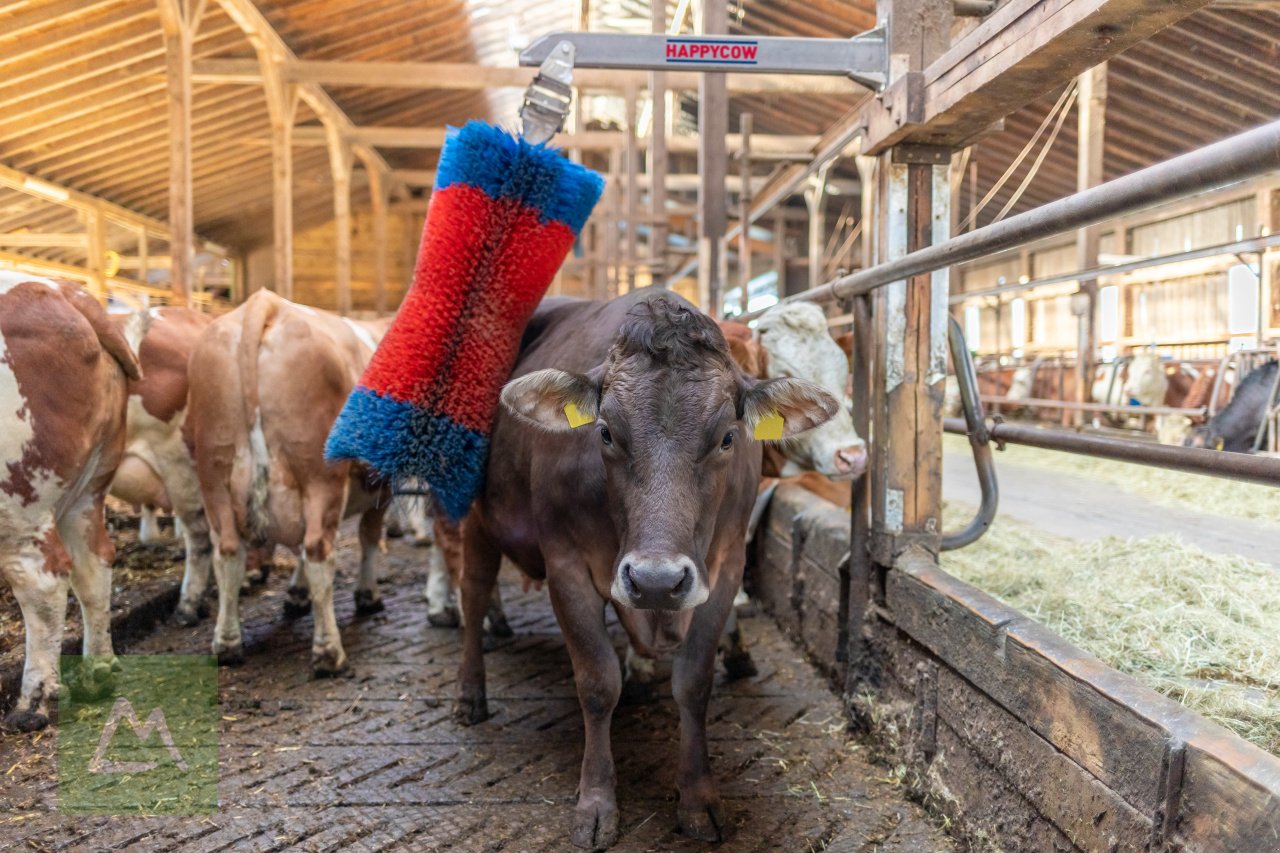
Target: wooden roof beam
[1023,50]
[473,76]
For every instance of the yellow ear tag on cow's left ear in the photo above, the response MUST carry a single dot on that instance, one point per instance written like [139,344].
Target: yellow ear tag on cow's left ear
[575,417]
[769,427]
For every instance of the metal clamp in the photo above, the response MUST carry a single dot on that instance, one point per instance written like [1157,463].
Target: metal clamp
[547,100]
[863,58]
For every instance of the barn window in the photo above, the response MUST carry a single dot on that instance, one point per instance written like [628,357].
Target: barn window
[973,327]
[1109,313]
[1242,300]
[1018,322]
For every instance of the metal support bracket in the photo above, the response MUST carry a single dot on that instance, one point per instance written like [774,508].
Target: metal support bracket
[863,58]
[547,100]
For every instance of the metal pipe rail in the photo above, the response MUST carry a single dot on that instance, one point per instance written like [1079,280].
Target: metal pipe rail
[979,440]
[1264,470]
[1251,153]
[1071,405]
[1257,244]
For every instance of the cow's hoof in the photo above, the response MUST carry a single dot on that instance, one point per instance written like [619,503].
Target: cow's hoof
[328,663]
[471,711]
[186,615]
[368,602]
[297,602]
[229,655]
[498,625]
[637,693]
[93,679]
[26,721]
[595,826]
[740,665]
[705,823]
[445,618]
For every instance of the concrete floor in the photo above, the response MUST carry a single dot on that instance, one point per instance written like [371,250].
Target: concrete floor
[1076,507]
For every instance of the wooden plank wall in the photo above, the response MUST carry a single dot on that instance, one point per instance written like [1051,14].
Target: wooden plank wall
[1016,735]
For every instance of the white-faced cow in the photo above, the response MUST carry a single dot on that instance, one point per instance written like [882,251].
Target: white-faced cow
[164,339]
[645,506]
[63,368]
[267,383]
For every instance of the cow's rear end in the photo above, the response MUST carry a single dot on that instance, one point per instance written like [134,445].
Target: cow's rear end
[62,410]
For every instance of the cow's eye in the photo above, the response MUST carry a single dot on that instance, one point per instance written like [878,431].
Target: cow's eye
[727,442]
[606,436]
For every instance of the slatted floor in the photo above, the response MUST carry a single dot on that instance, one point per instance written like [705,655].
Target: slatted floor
[374,761]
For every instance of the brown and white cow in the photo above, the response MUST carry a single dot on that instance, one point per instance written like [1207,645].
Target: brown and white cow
[645,507]
[63,368]
[164,339]
[267,383]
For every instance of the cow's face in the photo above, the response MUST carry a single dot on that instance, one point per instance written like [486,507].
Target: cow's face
[1204,436]
[1147,382]
[671,417]
[798,345]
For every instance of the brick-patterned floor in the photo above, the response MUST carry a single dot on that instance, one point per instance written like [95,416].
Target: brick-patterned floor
[375,761]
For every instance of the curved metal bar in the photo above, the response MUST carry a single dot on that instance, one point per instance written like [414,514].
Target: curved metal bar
[979,440]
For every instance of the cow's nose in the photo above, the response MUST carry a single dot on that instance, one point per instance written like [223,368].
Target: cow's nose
[657,581]
[851,461]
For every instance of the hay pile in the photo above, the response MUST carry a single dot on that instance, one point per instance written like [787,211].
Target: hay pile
[1203,629]
[1168,488]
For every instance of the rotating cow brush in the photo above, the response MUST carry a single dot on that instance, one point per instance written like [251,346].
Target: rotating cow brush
[504,214]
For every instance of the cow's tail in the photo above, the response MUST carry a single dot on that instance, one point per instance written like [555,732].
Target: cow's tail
[260,310]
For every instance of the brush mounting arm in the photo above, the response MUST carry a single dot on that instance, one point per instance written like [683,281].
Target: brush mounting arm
[547,100]
[862,58]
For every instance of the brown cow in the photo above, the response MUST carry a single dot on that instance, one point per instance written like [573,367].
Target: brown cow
[267,383]
[62,413]
[646,507]
[164,339]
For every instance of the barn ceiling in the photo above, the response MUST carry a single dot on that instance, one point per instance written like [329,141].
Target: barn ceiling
[83,86]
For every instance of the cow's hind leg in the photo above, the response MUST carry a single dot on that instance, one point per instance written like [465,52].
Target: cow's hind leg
[481,560]
[192,604]
[42,597]
[441,610]
[496,618]
[368,600]
[737,657]
[598,677]
[327,655]
[228,571]
[84,533]
[297,599]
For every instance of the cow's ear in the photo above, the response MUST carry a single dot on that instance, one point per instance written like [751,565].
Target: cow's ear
[784,408]
[554,400]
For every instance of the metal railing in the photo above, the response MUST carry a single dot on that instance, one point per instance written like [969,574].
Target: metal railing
[1246,155]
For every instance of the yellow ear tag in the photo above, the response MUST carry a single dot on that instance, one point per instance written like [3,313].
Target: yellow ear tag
[575,417]
[769,427]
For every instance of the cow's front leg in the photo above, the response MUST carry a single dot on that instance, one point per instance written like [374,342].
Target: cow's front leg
[580,612]
[297,598]
[700,813]
[195,576]
[42,597]
[368,599]
[228,572]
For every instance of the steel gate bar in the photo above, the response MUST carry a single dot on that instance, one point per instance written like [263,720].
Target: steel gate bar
[979,440]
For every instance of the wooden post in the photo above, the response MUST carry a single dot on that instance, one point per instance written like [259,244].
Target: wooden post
[378,200]
[1092,107]
[780,250]
[744,210]
[180,20]
[282,105]
[713,125]
[144,249]
[815,198]
[340,162]
[633,190]
[96,226]
[658,156]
